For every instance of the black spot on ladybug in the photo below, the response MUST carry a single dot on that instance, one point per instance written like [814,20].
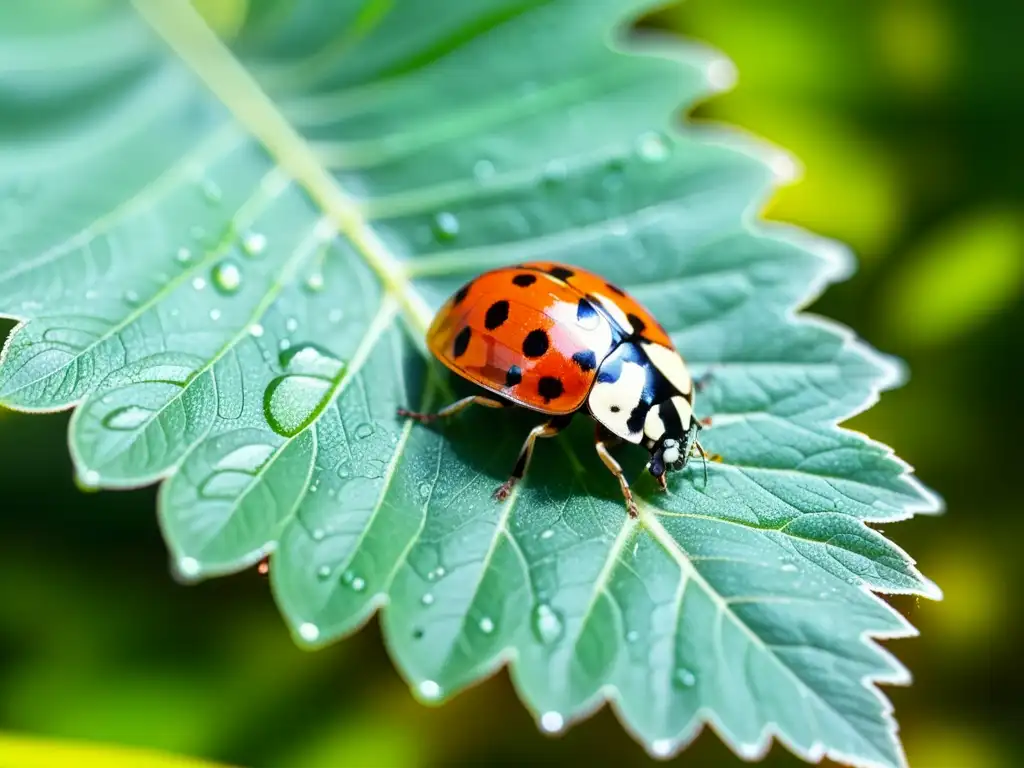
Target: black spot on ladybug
[462,293]
[497,314]
[586,315]
[549,388]
[513,376]
[536,343]
[637,416]
[461,342]
[524,281]
[585,359]
[615,289]
[561,273]
[638,324]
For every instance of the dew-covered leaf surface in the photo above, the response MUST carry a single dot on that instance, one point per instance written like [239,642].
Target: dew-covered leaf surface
[225,256]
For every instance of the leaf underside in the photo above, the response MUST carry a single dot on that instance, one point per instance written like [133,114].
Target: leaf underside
[225,260]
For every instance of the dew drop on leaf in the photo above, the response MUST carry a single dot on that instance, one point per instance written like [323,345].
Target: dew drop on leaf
[632,636]
[547,624]
[309,632]
[547,534]
[315,282]
[445,226]
[188,567]
[552,722]
[215,314]
[291,402]
[424,490]
[437,573]
[486,625]
[661,748]
[652,147]
[254,243]
[311,360]
[555,171]
[127,418]
[227,277]
[684,678]
[211,192]
[184,255]
[90,478]
[131,298]
[483,170]
[318,534]
[256,330]
[323,572]
[364,430]
[789,568]
[429,690]
[358,584]
[291,325]
[427,599]
[199,283]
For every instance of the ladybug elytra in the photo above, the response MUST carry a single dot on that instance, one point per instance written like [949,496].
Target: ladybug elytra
[561,340]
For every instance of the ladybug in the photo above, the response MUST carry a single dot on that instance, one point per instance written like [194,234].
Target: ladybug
[560,340]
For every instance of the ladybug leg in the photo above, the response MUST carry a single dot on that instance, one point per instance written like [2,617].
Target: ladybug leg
[451,410]
[548,429]
[616,469]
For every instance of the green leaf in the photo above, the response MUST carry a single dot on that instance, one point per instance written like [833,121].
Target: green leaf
[28,752]
[227,259]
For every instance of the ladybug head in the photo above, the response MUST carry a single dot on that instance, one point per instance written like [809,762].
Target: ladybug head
[676,441]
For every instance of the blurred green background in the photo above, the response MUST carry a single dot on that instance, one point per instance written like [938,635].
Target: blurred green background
[906,115]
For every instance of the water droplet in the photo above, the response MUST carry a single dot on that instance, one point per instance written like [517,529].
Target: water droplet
[425,489]
[685,678]
[292,401]
[547,534]
[309,632]
[358,584]
[483,169]
[547,624]
[427,599]
[632,636]
[131,297]
[364,430]
[188,567]
[315,282]
[199,283]
[215,314]
[127,418]
[227,277]
[91,294]
[652,147]
[429,690]
[318,534]
[784,167]
[283,344]
[335,315]
[184,255]
[310,360]
[323,572]
[555,171]
[486,625]
[291,325]
[552,722]
[789,568]
[721,74]
[437,573]
[445,226]
[254,243]
[211,192]
[90,478]
[256,330]
[661,748]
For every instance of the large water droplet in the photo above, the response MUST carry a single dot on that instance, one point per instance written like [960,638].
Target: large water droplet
[552,722]
[227,277]
[364,430]
[685,678]
[661,748]
[291,401]
[547,623]
[429,690]
[652,147]
[256,330]
[445,226]
[254,243]
[310,360]
[127,418]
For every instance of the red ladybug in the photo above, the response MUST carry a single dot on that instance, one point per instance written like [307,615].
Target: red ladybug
[560,340]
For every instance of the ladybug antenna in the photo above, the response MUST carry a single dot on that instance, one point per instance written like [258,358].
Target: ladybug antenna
[704,458]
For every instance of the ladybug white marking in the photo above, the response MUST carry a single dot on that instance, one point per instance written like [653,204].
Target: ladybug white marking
[671,366]
[612,402]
